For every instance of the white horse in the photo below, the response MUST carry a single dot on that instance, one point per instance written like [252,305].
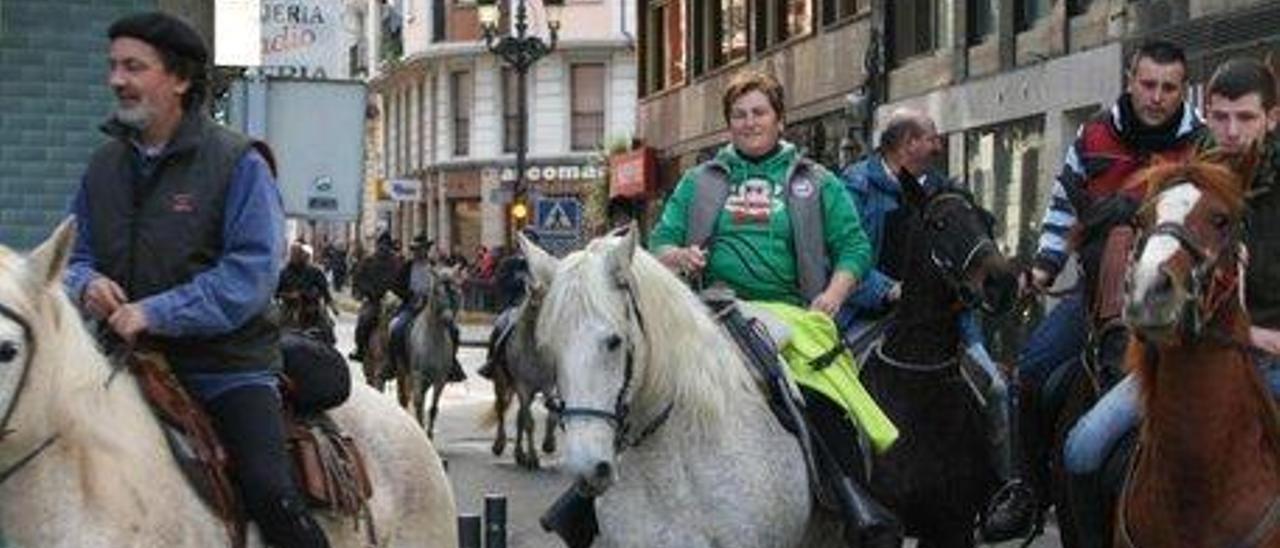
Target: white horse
[642,366]
[83,462]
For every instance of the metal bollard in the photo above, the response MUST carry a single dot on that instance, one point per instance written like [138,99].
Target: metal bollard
[495,521]
[468,531]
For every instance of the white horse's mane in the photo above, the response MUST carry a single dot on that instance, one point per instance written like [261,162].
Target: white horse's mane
[683,356]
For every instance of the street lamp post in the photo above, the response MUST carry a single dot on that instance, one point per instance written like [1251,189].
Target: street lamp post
[520,51]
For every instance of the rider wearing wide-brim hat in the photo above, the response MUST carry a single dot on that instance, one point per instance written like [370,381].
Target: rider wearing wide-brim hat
[413,286]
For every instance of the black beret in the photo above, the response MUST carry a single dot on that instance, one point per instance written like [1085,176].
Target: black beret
[162,31]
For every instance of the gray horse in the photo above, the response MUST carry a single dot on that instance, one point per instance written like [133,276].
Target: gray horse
[431,350]
[518,368]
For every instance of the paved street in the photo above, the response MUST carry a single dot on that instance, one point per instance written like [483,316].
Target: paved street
[473,469]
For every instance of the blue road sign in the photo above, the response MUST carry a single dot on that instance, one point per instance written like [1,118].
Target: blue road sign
[558,216]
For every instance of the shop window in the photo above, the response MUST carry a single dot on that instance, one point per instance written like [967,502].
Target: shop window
[1002,165]
[835,11]
[979,20]
[781,20]
[914,27]
[587,105]
[719,34]
[460,98]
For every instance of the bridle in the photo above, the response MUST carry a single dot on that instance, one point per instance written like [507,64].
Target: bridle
[1211,286]
[952,272]
[617,418]
[5,431]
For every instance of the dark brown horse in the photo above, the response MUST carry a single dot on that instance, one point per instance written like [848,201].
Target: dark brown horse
[1207,473]
[938,474]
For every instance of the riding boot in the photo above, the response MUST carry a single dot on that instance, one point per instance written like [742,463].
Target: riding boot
[456,374]
[287,523]
[868,523]
[572,517]
[1013,510]
[1088,513]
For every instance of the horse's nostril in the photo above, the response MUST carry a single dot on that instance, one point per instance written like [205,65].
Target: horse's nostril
[603,470]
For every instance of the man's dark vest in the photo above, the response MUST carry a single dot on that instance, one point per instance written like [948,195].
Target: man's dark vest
[153,233]
[804,206]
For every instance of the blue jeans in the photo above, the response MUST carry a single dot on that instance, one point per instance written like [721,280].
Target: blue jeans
[1058,339]
[1092,438]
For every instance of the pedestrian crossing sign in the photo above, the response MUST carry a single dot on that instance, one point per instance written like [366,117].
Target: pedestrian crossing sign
[559,216]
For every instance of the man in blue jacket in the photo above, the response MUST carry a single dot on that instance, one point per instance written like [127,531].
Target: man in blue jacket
[180,239]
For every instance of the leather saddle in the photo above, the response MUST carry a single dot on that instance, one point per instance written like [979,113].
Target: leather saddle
[328,466]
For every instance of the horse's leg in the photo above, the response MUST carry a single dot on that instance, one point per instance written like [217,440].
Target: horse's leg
[549,436]
[436,391]
[501,399]
[524,432]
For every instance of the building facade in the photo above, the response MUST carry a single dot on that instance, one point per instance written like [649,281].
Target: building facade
[53,55]
[445,114]
[1008,81]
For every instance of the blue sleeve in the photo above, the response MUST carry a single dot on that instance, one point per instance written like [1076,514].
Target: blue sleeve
[240,285]
[80,266]
[970,332]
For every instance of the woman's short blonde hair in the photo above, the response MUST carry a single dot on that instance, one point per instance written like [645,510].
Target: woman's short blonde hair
[748,81]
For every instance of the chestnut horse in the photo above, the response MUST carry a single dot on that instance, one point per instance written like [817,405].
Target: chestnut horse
[1207,471]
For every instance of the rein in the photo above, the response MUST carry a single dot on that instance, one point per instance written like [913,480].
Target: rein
[953,275]
[5,431]
[617,418]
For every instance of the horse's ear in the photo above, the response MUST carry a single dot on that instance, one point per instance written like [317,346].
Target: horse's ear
[542,266]
[47,261]
[620,254]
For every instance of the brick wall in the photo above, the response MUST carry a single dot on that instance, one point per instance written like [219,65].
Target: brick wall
[53,58]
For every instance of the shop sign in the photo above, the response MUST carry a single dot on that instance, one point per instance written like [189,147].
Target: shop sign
[404,190]
[555,173]
[634,173]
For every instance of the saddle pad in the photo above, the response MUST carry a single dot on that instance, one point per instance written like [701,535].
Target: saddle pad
[813,334]
[1108,302]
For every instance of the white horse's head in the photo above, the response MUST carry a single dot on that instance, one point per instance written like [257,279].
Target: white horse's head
[634,349]
[31,303]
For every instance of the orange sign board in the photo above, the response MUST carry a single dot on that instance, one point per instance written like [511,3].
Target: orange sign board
[634,174]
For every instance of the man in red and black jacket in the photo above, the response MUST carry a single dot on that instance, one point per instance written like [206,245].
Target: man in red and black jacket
[1092,194]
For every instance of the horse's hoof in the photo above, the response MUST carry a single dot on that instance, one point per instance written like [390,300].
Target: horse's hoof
[498,448]
[549,446]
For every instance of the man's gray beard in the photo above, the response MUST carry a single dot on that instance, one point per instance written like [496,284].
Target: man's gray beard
[138,117]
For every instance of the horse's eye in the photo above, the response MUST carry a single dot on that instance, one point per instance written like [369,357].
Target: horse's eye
[939,224]
[8,351]
[1220,221]
[613,342]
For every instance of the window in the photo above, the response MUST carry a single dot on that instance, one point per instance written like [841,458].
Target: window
[422,124]
[510,110]
[834,11]
[719,30]
[776,22]
[460,97]
[1078,7]
[1029,11]
[587,124]
[914,27]
[662,54]
[438,17]
[979,21]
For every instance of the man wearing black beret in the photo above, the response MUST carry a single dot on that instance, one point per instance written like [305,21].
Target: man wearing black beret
[180,240]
